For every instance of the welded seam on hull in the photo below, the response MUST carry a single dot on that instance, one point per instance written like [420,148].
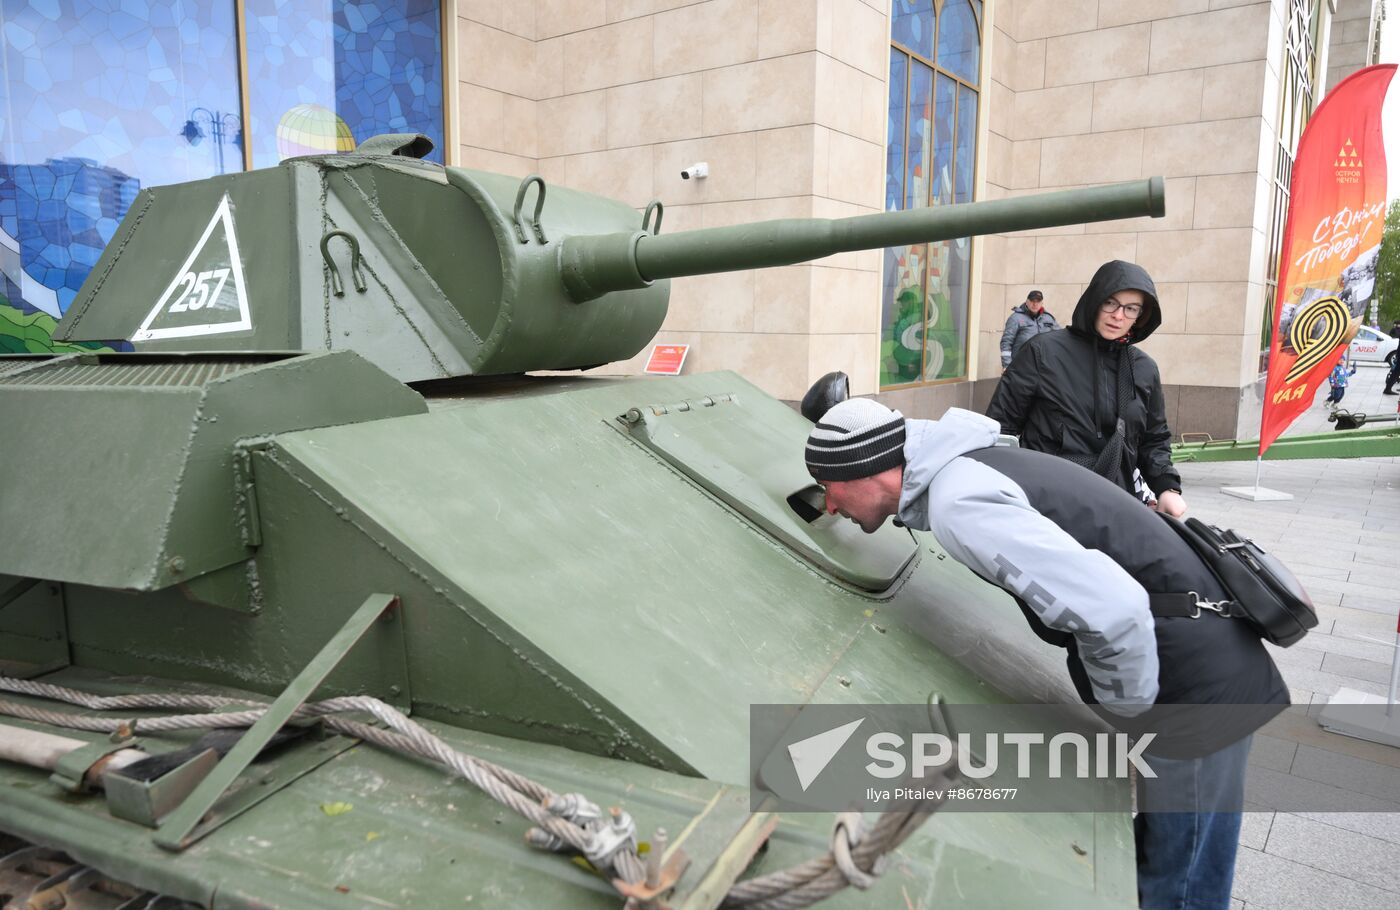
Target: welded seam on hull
[623,737]
[378,216]
[327,220]
[234,670]
[481,713]
[403,314]
[111,264]
[510,280]
[326,225]
[157,571]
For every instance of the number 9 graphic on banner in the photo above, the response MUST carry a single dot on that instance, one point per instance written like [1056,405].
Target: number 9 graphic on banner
[1328,318]
[199,284]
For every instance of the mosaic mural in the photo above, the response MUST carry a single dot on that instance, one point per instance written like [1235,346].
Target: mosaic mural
[95,96]
[327,70]
[55,218]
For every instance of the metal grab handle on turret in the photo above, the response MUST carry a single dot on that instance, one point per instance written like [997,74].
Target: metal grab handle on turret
[357,272]
[539,207]
[595,265]
[656,207]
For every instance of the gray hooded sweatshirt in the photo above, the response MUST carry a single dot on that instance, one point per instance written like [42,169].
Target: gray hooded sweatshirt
[986,522]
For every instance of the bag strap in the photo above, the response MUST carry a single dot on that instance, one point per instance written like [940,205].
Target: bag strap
[1188,606]
[1171,605]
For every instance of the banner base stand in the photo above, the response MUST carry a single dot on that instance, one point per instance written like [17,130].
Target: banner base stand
[1256,494]
[1372,727]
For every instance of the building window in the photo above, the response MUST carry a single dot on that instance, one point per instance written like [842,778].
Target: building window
[100,99]
[935,67]
[1298,98]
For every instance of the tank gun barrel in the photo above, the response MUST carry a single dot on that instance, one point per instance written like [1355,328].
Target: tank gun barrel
[594,265]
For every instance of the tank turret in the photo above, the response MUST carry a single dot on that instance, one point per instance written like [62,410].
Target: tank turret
[432,272]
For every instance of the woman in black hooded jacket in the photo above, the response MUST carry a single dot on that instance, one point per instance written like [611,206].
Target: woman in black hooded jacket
[1089,395]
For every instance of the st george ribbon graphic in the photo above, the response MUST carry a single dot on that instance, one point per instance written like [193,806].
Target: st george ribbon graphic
[1331,243]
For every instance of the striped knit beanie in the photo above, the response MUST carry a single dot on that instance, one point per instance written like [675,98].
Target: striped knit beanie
[857,438]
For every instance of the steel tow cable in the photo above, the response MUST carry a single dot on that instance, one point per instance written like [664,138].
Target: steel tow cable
[855,858]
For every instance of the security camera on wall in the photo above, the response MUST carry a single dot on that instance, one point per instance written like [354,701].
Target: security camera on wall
[699,170]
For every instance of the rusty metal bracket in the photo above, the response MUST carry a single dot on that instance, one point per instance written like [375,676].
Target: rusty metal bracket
[653,893]
[539,207]
[146,802]
[653,206]
[178,831]
[357,268]
[71,772]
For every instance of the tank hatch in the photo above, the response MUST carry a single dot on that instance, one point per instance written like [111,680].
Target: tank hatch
[742,453]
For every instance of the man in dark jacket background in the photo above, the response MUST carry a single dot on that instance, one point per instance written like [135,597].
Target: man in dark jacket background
[1089,395]
[1026,321]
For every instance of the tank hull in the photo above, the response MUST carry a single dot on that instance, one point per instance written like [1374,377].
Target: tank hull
[604,627]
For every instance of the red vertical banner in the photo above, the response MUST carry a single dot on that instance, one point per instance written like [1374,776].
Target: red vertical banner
[1331,242]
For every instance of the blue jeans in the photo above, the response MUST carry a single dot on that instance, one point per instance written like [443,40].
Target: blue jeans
[1186,857]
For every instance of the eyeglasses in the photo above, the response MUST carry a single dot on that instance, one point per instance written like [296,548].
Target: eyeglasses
[1131,310]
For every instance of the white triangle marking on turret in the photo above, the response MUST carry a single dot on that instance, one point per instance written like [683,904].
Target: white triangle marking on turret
[188,279]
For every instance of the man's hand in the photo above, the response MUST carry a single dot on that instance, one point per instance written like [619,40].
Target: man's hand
[1170,502]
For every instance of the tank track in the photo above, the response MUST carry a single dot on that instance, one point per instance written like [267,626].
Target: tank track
[38,878]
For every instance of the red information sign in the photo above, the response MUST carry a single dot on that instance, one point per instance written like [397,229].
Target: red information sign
[667,359]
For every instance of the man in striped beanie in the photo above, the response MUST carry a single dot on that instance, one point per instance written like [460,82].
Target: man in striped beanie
[1083,558]
[856,451]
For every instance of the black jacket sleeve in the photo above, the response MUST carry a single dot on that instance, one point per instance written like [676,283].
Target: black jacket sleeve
[1017,389]
[1155,447]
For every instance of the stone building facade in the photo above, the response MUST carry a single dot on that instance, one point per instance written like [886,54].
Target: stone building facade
[790,103]
[783,98]
[1354,40]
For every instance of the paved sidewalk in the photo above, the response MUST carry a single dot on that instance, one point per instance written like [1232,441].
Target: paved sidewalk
[1341,535]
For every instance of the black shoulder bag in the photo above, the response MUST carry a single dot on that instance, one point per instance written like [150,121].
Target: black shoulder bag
[1262,590]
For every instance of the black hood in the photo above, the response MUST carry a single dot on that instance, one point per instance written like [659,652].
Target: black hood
[1111,278]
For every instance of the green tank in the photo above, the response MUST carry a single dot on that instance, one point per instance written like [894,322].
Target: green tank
[322,472]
